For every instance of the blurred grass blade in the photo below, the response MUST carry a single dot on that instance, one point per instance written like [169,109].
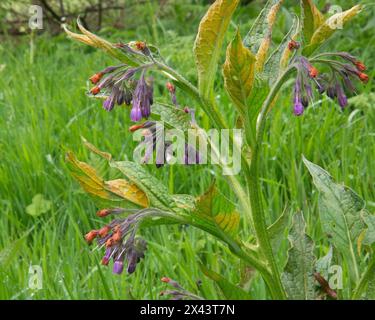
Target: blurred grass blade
[229,290]
[209,40]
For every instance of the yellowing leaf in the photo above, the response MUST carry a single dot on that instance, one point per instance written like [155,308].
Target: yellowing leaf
[258,40]
[209,41]
[93,40]
[115,192]
[238,72]
[312,19]
[336,22]
[127,190]
[228,222]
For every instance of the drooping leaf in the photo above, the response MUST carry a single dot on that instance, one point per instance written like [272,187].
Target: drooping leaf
[258,40]
[238,72]
[118,192]
[340,214]
[312,19]
[229,290]
[38,206]
[97,42]
[335,22]
[156,192]
[209,41]
[175,117]
[298,277]
[278,58]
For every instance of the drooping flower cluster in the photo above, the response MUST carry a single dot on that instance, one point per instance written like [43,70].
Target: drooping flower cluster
[336,84]
[178,293]
[154,141]
[119,239]
[117,83]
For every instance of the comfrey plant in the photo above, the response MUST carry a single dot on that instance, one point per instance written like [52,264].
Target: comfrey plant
[253,76]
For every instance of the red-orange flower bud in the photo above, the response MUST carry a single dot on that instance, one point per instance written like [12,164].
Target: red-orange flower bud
[363,77]
[103,213]
[165,279]
[117,236]
[109,243]
[140,45]
[293,45]
[313,72]
[360,65]
[89,237]
[135,127]
[104,231]
[170,87]
[95,90]
[96,77]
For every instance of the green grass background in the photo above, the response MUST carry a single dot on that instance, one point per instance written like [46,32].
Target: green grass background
[43,108]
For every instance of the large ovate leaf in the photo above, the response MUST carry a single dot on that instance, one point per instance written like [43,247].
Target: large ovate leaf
[109,193]
[279,57]
[174,117]
[326,30]
[340,214]
[209,41]
[229,290]
[238,72]
[156,192]
[258,39]
[298,277]
[312,19]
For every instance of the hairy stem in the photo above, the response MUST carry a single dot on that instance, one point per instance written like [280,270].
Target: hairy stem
[254,185]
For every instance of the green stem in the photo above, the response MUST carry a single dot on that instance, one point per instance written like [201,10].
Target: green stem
[255,191]
[364,280]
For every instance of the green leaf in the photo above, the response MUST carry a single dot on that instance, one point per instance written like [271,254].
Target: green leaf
[335,22]
[209,41]
[229,290]
[276,231]
[340,214]
[312,19]
[258,39]
[226,221]
[322,264]
[369,237]
[298,277]
[156,192]
[112,193]
[175,117]
[38,206]
[278,58]
[238,72]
